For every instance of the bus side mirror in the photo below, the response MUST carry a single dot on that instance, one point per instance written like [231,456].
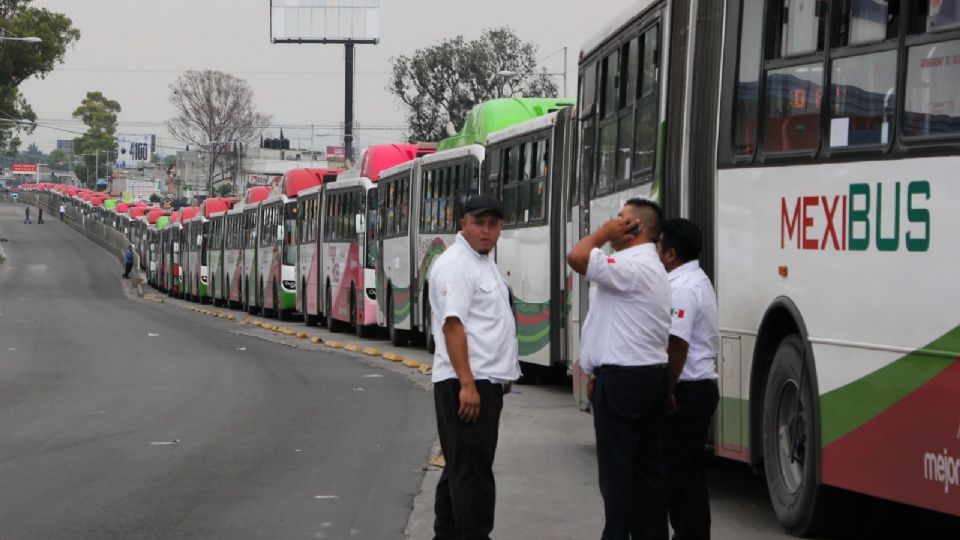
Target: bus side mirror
[360,224]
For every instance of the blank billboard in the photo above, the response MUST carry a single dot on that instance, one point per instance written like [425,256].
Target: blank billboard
[324,20]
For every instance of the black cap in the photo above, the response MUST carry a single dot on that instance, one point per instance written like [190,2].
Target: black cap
[481,203]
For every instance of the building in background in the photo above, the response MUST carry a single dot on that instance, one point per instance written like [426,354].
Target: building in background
[65,146]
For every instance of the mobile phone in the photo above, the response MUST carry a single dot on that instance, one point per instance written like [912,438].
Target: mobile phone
[636,230]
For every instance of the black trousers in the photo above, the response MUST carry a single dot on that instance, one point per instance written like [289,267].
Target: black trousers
[685,441]
[628,406]
[466,493]
[127,267]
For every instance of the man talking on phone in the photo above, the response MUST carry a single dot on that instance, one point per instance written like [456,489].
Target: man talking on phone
[473,367]
[624,349]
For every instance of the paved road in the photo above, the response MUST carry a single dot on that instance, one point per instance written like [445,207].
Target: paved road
[127,419]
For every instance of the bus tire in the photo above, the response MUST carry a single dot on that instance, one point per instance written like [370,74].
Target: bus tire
[333,324]
[430,343]
[398,338]
[791,445]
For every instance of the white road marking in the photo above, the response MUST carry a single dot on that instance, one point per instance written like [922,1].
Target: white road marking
[373,376]
[165,443]
[151,334]
[326,496]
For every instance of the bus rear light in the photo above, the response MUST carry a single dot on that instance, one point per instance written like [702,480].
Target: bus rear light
[372,294]
[289,285]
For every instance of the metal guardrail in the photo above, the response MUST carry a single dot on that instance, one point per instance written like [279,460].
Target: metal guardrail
[107,237]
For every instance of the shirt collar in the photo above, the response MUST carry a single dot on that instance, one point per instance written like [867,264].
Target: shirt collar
[463,241]
[647,247]
[683,269]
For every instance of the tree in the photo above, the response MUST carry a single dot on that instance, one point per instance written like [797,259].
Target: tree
[19,61]
[441,83]
[154,198]
[225,190]
[98,144]
[58,158]
[216,112]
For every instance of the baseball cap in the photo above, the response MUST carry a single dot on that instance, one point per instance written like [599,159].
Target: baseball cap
[481,203]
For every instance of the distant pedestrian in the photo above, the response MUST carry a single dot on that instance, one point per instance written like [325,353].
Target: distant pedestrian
[63,210]
[624,347]
[27,219]
[128,262]
[39,215]
[473,367]
[693,397]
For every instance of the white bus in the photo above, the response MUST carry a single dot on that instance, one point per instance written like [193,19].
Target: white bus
[233,252]
[815,143]
[251,231]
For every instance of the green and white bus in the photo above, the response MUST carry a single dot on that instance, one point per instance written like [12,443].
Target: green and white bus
[816,143]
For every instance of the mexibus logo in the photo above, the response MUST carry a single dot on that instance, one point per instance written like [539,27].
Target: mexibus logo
[859,219]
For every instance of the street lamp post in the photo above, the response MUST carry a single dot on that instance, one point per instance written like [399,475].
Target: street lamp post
[8,36]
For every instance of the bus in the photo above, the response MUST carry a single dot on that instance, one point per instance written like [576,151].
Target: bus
[178,239]
[216,249]
[815,143]
[442,183]
[233,249]
[251,226]
[197,270]
[307,228]
[526,167]
[277,248]
[348,248]
[166,253]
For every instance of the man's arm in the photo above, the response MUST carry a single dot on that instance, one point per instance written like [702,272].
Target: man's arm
[455,338]
[677,349]
[579,256]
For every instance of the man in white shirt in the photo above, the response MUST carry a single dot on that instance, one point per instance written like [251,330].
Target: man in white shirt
[473,366]
[692,352]
[624,345]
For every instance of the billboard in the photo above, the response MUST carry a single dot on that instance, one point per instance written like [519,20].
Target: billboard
[134,150]
[324,21]
[24,168]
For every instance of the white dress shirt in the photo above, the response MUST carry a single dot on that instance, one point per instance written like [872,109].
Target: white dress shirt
[629,316]
[694,320]
[467,285]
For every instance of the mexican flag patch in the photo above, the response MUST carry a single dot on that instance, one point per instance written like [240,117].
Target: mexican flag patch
[677,313]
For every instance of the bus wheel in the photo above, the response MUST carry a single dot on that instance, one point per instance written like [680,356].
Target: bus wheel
[791,446]
[428,328]
[309,319]
[333,324]
[398,338]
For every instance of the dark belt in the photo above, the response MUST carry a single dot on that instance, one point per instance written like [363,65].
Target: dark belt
[612,368]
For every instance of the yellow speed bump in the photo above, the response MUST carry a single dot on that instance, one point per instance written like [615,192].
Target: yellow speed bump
[411,363]
[316,340]
[333,344]
[231,317]
[302,335]
[353,347]
[392,357]
[371,351]
[425,369]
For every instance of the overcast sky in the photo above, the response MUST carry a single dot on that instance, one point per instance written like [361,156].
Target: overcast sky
[132,50]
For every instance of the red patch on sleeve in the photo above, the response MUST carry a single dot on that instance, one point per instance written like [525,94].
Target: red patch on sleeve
[611,260]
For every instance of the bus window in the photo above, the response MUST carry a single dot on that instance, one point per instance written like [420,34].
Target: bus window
[748,79]
[526,161]
[491,186]
[863,94]
[629,66]
[610,71]
[608,149]
[588,89]
[371,228]
[587,141]
[803,24]
[931,107]
[647,117]
[793,97]
[404,205]
[509,204]
[867,21]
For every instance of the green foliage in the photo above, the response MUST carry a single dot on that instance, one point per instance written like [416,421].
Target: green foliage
[19,61]
[154,198]
[225,190]
[441,83]
[98,145]
[58,159]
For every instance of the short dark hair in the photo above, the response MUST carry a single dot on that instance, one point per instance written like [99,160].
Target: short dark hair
[651,213]
[682,236]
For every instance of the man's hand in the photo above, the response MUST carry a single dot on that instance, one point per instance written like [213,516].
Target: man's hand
[616,228]
[590,382]
[671,403]
[507,387]
[469,403]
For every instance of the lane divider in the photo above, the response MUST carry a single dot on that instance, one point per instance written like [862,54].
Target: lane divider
[411,363]
[371,351]
[333,344]
[353,347]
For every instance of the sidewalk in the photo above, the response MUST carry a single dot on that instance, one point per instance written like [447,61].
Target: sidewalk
[546,467]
